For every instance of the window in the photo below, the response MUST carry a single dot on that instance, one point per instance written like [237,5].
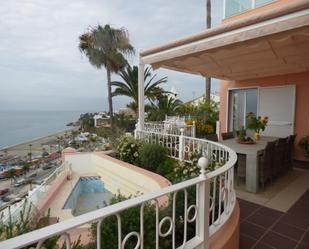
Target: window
[234,7]
[241,102]
[262,2]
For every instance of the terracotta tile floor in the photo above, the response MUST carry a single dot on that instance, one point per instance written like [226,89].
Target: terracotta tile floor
[266,228]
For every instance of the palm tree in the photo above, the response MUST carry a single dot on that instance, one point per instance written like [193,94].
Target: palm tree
[26,167]
[30,152]
[208,26]
[129,85]
[11,174]
[106,47]
[164,106]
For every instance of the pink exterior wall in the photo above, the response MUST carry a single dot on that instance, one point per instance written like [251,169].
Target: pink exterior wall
[229,231]
[301,80]
[67,151]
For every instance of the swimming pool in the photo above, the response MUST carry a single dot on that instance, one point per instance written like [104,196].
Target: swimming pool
[88,194]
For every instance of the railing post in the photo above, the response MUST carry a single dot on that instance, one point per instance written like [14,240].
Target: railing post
[135,131]
[203,205]
[218,128]
[193,129]
[181,145]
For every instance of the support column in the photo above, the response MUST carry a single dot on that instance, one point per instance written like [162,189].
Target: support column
[141,99]
[218,128]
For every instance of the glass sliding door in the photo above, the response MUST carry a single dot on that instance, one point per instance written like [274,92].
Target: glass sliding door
[241,102]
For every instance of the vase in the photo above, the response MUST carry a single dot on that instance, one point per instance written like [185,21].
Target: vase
[257,136]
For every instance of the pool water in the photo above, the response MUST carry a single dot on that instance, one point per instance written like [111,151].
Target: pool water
[88,194]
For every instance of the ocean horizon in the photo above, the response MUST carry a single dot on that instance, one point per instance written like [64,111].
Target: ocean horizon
[18,127]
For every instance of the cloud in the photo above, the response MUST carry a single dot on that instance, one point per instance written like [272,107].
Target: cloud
[42,68]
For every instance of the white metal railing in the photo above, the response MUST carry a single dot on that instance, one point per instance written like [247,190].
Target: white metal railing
[213,205]
[183,147]
[12,212]
[186,149]
[170,128]
[175,119]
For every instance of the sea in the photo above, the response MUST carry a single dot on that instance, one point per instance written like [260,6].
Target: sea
[21,126]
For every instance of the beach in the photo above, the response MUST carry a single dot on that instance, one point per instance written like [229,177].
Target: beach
[23,149]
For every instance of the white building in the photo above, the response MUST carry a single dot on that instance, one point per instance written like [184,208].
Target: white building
[213,96]
[100,119]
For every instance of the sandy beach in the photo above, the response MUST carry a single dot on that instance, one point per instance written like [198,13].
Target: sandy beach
[23,148]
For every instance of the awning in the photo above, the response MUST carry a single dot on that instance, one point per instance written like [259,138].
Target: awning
[273,43]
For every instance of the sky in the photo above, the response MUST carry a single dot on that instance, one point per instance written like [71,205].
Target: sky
[41,67]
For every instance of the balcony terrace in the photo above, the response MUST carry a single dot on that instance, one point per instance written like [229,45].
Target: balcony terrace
[263,221]
[223,53]
[213,213]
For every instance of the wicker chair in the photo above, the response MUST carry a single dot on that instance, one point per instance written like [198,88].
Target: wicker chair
[212,137]
[240,167]
[227,135]
[278,163]
[265,164]
[288,159]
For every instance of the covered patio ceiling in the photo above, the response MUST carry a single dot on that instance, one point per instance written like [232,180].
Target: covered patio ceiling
[275,43]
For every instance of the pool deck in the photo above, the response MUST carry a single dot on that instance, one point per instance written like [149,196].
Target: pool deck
[115,174]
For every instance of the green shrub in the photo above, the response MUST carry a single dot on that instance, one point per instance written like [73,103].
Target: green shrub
[128,149]
[167,167]
[184,171]
[152,156]
[130,221]
[28,223]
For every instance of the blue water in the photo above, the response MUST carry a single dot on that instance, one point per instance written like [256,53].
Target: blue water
[87,195]
[21,126]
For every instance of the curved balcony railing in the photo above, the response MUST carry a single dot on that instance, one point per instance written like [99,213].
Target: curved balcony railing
[215,200]
[174,128]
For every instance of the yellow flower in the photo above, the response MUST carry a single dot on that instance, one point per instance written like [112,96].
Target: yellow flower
[189,122]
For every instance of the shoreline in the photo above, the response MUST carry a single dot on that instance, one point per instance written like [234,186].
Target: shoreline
[35,139]
[22,148]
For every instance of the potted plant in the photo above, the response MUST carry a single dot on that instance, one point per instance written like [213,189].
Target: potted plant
[304,145]
[243,138]
[256,124]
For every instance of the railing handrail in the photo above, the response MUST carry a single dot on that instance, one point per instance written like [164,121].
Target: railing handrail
[93,216]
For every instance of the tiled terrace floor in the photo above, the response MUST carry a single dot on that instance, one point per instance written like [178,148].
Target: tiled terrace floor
[282,193]
[265,228]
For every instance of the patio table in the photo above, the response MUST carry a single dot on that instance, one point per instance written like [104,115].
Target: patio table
[252,152]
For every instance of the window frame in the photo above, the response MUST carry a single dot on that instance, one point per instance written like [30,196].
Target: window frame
[228,106]
[253,6]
